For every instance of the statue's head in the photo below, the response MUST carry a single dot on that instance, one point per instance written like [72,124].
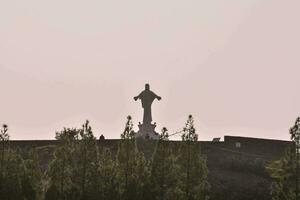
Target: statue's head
[147,87]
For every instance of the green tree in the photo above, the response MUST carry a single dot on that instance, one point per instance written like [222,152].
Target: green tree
[295,137]
[32,177]
[126,162]
[164,171]
[107,176]
[142,173]
[61,168]
[11,169]
[12,182]
[193,166]
[85,162]
[4,138]
[131,165]
[285,172]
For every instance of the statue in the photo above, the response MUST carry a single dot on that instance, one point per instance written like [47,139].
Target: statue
[146,129]
[147,97]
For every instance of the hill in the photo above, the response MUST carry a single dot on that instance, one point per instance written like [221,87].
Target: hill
[236,165]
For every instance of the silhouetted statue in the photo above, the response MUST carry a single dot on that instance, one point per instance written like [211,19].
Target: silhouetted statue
[147,129]
[147,97]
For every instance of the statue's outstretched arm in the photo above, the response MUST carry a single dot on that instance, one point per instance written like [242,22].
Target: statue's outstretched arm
[158,97]
[137,97]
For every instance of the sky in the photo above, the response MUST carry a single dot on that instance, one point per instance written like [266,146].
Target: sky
[234,65]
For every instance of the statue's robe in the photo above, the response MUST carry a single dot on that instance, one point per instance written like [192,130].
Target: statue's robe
[147,97]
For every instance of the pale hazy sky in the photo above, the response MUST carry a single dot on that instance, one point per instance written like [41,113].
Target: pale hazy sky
[233,64]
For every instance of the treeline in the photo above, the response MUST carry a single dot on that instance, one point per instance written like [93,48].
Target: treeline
[83,169]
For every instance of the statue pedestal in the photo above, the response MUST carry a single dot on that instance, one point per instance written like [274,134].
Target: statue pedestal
[147,131]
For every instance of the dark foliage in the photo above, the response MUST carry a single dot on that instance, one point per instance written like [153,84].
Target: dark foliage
[82,168]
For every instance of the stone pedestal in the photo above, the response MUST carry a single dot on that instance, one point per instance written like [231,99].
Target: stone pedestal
[147,131]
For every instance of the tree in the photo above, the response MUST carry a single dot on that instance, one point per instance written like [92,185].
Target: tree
[285,172]
[164,170]
[126,162]
[32,177]
[11,169]
[131,164]
[86,161]
[4,138]
[61,168]
[295,137]
[107,181]
[12,179]
[142,174]
[193,166]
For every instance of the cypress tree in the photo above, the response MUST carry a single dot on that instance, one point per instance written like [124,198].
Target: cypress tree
[126,163]
[32,177]
[193,166]
[107,176]
[142,172]
[11,169]
[4,138]
[12,181]
[61,169]
[164,171]
[85,162]
[132,166]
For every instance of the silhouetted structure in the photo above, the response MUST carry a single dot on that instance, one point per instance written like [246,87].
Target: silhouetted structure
[147,129]
[101,138]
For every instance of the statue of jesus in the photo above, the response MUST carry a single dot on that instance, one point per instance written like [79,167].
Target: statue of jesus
[147,97]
